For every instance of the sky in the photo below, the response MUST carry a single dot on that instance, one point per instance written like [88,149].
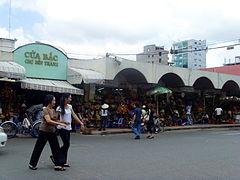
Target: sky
[91,28]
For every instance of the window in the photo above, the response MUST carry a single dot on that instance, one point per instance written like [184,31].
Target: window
[195,64]
[148,56]
[160,60]
[152,55]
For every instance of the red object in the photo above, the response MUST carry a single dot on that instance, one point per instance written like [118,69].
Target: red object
[231,121]
[230,69]
[213,121]
[121,125]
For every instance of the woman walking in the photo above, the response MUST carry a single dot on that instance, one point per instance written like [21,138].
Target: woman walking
[150,123]
[66,113]
[47,133]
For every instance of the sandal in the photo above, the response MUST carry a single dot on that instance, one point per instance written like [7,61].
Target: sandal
[32,167]
[59,168]
[66,165]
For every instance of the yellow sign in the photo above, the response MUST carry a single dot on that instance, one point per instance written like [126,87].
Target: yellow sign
[33,57]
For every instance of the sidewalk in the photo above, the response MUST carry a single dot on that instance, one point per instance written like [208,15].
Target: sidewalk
[169,128]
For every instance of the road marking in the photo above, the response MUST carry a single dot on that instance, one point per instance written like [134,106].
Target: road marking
[232,134]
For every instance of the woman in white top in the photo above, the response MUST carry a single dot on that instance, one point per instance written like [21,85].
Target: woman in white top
[66,113]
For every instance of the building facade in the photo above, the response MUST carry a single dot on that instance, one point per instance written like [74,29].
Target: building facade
[189,54]
[153,54]
[6,48]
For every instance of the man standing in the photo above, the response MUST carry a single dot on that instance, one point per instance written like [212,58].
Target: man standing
[136,121]
[218,112]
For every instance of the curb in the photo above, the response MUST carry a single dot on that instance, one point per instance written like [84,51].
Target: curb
[201,127]
[175,128]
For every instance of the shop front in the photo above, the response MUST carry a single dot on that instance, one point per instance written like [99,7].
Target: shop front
[46,68]
[37,69]
[10,73]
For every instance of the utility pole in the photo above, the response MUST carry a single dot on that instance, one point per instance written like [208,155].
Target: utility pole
[9,19]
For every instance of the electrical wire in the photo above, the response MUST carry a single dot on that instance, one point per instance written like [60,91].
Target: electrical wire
[162,52]
[221,42]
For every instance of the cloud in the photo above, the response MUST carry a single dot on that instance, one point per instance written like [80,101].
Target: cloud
[2,2]
[98,27]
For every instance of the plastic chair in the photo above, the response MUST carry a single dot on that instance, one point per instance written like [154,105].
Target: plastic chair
[120,123]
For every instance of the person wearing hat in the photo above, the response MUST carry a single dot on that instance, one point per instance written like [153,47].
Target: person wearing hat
[176,118]
[104,116]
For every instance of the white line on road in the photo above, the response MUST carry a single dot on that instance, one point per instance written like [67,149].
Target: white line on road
[232,134]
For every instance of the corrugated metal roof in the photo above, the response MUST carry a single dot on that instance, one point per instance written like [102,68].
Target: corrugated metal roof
[233,69]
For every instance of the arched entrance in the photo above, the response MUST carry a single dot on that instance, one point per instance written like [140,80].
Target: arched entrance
[231,88]
[171,80]
[203,83]
[128,77]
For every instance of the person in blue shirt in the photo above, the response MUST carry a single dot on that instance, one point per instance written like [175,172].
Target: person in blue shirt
[176,118]
[136,121]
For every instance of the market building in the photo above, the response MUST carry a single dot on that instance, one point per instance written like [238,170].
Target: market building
[134,74]
[115,81]
[126,81]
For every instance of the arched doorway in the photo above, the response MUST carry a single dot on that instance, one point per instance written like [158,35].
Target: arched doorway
[231,88]
[130,77]
[171,80]
[203,83]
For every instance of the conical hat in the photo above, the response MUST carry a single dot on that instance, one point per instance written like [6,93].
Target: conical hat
[105,106]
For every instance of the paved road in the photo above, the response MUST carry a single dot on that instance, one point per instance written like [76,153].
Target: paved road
[181,155]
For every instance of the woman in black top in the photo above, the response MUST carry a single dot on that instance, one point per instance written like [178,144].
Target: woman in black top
[150,123]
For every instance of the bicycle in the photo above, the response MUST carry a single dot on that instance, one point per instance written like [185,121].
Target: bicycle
[28,126]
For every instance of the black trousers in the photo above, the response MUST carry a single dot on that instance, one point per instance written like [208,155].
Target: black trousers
[65,136]
[103,122]
[43,138]
[218,118]
[150,126]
